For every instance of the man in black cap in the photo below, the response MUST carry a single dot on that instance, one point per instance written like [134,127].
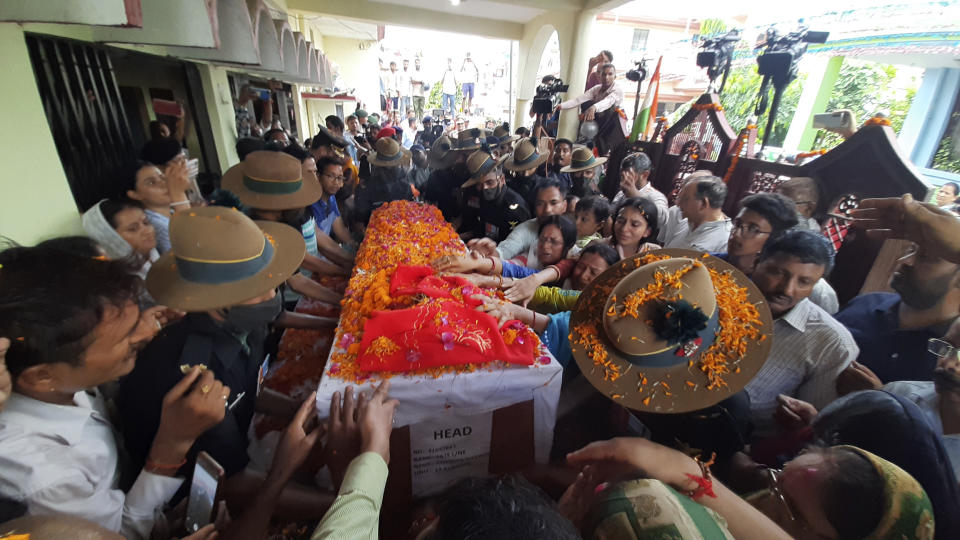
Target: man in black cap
[500,208]
[327,144]
[429,134]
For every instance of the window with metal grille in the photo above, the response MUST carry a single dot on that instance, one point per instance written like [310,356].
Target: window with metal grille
[85,111]
[640,36]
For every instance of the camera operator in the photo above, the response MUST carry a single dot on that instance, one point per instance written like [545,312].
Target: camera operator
[601,104]
[430,133]
[544,107]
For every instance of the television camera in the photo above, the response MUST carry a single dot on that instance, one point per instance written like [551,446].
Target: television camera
[716,56]
[778,66]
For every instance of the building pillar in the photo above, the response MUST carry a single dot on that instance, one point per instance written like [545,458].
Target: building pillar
[929,114]
[37,202]
[223,122]
[575,66]
[821,76]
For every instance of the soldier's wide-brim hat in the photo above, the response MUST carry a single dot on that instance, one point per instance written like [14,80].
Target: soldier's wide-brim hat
[219,258]
[479,164]
[583,159]
[271,181]
[670,331]
[389,153]
[471,139]
[443,153]
[526,155]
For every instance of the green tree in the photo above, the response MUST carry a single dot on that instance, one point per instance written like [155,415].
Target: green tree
[739,99]
[435,99]
[712,27]
[945,159]
[865,88]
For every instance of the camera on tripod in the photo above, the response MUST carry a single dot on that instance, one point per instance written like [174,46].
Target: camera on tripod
[548,94]
[716,56]
[782,55]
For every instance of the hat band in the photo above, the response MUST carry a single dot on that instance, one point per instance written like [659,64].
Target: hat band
[487,165]
[529,159]
[395,157]
[272,187]
[585,163]
[671,356]
[220,272]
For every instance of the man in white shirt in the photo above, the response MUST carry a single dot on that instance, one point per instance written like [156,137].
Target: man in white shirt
[549,200]
[417,88]
[635,182]
[810,348]
[697,221]
[448,89]
[602,104]
[403,88]
[78,326]
[393,90]
[469,75]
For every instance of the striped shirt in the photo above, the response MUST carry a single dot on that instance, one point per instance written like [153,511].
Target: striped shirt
[810,349]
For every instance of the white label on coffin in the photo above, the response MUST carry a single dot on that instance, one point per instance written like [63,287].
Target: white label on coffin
[446,449]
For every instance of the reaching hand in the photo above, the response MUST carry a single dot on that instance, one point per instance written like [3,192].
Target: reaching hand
[857,377]
[461,263]
[578,498]
[937,230]
[375,416]
[502,311]
[207,533]
[626,457]
[194,405]
[343,444]
[297,441]
[793,414]
[628,183]
[153,320]
[484,246]
[520,291]
[590,114]
[6,385]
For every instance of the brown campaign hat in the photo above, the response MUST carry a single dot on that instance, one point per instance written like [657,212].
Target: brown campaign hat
[442,153]
[503,135]
[328,138]
[388,153]
[479,164]
[219,257]
[271,181]
[526,155]
[582,159]
[471,139]
[670,331]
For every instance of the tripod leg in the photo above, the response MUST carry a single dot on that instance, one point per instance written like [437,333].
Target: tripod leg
[777,94]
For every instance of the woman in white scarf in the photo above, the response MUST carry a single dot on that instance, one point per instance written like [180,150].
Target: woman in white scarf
[122,229]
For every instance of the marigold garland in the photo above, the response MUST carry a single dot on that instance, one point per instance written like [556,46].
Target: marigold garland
[804,155]
[707,107]
[737,150]
[877,121]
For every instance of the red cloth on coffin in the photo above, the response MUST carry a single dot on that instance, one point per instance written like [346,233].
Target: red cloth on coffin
[438,333]
[445,331]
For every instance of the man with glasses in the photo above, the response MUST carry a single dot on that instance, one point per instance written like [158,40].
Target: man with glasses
[892,330]
[939,399]
[763,218]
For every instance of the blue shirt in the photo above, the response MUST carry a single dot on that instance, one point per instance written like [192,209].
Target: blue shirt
[892,354]
[325,213]
[516,271]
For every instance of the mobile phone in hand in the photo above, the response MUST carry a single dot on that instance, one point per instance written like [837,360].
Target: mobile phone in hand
[204,487]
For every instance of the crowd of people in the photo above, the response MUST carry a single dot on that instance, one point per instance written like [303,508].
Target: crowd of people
[132,350]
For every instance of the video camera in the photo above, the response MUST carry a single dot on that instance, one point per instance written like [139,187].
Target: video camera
[639,73]
[717,55]
[548,95]
[782,55]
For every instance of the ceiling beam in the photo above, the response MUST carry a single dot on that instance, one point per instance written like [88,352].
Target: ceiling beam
[546,5]
[381,13]
[603,5]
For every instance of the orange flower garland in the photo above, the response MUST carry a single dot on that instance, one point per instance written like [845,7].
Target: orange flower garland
[804,155]
[400,232]
[737,150]
[877,121]
[707,107]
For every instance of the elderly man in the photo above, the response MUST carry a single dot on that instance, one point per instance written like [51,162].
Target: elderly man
[700,223]
[635,182]
[810,348]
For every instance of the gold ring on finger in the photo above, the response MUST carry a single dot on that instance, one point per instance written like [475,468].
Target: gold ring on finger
[205,389]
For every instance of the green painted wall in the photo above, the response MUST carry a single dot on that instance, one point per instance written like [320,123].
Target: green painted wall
[35,200]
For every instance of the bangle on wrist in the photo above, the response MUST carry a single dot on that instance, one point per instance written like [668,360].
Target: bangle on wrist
[177,203]
[704,482]
[492,265]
